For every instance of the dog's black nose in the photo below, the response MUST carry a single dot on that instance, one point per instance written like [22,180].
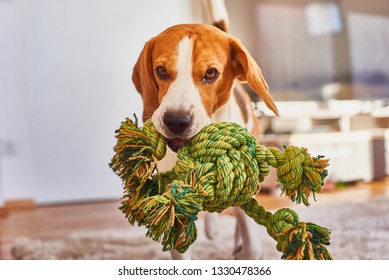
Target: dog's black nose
[177,121]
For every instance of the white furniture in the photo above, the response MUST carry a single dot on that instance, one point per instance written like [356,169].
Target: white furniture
[354,135]
[353,155]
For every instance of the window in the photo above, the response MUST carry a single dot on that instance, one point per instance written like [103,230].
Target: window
[319,50]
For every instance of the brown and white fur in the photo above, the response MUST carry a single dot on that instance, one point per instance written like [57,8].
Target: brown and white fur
[186,77]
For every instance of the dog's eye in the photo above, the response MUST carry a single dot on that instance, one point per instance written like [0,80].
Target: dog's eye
[211,75]
[162,73]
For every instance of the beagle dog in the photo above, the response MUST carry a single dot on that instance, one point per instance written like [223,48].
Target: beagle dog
[186,76]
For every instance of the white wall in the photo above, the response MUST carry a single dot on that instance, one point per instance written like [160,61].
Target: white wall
[65,68]
[15,131]
[243,21]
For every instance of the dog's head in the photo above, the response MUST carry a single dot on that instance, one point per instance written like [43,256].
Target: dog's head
[186,73]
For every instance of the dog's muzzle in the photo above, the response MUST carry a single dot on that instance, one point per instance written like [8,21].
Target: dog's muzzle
[177,122]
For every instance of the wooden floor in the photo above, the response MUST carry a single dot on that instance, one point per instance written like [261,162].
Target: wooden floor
[57,221]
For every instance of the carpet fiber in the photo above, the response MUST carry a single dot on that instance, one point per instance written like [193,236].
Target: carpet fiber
[359,231]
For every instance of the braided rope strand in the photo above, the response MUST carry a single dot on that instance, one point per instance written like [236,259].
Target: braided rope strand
[297,240]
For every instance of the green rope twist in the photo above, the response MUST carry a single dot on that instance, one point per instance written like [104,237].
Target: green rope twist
[222,166]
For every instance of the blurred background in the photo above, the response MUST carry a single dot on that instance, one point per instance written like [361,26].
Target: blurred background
[65,86]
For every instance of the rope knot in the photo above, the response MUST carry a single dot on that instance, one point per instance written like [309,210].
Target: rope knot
[298,172]
[220,162]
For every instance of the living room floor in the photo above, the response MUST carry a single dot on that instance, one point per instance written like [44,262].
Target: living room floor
[54,221]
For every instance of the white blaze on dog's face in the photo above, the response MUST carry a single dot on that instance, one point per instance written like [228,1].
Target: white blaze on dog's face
[186,74]
[181,113]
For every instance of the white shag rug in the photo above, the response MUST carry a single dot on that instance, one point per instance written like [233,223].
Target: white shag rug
[359,231]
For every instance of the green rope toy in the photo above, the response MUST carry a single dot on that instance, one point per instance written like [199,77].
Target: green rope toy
[222,166]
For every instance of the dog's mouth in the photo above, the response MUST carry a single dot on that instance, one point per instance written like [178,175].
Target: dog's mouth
[176,144]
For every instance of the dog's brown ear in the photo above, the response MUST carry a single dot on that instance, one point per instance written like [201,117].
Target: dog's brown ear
[144,81]
[247,70]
